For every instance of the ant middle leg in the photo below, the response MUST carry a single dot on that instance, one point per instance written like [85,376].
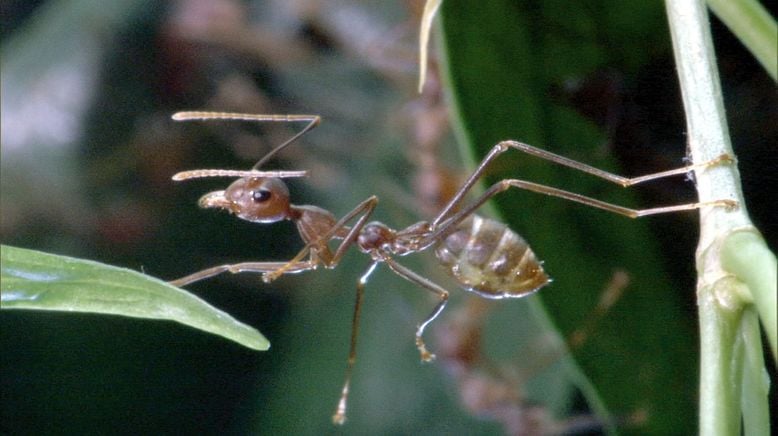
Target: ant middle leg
[318,248]
[504,146]
[427,284]
[340,413]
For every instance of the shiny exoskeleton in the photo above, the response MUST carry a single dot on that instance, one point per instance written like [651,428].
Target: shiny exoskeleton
[490,259]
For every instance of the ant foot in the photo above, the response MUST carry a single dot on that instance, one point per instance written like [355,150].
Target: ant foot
[727,204]
[426,356]
[339,418]
[724,159]
[271,276]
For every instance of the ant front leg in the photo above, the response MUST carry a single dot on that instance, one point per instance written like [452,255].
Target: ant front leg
[318,248]
[244,267]
[504,146]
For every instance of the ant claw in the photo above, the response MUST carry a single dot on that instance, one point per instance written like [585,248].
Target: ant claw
[269,277]
[426,356]
[730,205]
[339,419]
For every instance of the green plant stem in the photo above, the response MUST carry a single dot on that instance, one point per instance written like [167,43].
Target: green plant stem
[755,387]
[727,379]
[754,27]
[719,405]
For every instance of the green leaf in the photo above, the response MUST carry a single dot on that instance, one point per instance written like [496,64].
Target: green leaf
[503,61]
[42,281]
[753,25]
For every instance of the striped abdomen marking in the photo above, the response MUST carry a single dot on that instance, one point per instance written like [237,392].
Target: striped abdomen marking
[488,258]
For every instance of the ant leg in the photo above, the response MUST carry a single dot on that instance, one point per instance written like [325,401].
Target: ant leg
[318,248]
[255,267]
[427,284]
[366,208]
[286,267]
[272,270]
[554,192]
[340,413]
[543,154]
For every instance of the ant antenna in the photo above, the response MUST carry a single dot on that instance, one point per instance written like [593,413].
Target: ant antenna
[313,121]
[196,174]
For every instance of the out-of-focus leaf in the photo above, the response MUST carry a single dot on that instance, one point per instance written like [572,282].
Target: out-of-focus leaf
[753,25]
[42,281]
[51,72]
[502,61]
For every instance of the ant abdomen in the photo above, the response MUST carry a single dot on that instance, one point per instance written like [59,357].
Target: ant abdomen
[488,258]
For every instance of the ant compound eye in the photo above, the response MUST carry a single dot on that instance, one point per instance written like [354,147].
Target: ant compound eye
[261,195]
[259,200]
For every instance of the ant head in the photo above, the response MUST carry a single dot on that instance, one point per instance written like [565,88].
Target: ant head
[255,199]
[259,196]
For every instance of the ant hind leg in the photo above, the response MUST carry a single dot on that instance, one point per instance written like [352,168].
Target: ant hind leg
[502,147]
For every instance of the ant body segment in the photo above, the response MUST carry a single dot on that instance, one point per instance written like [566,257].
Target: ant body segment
[483,255]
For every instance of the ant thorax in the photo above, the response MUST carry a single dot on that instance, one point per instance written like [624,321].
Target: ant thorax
[313,221]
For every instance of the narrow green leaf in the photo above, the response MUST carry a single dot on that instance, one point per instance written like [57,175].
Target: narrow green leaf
[753,25]
[755,391]
[503,62]
[34,280]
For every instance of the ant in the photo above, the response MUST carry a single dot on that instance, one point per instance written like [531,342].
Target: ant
[483,255]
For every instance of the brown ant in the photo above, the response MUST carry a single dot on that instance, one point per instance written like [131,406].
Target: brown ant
[483,255]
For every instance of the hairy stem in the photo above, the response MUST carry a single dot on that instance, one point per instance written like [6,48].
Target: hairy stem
[725,291]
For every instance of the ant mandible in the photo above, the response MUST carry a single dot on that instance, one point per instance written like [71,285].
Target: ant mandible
[483,255]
